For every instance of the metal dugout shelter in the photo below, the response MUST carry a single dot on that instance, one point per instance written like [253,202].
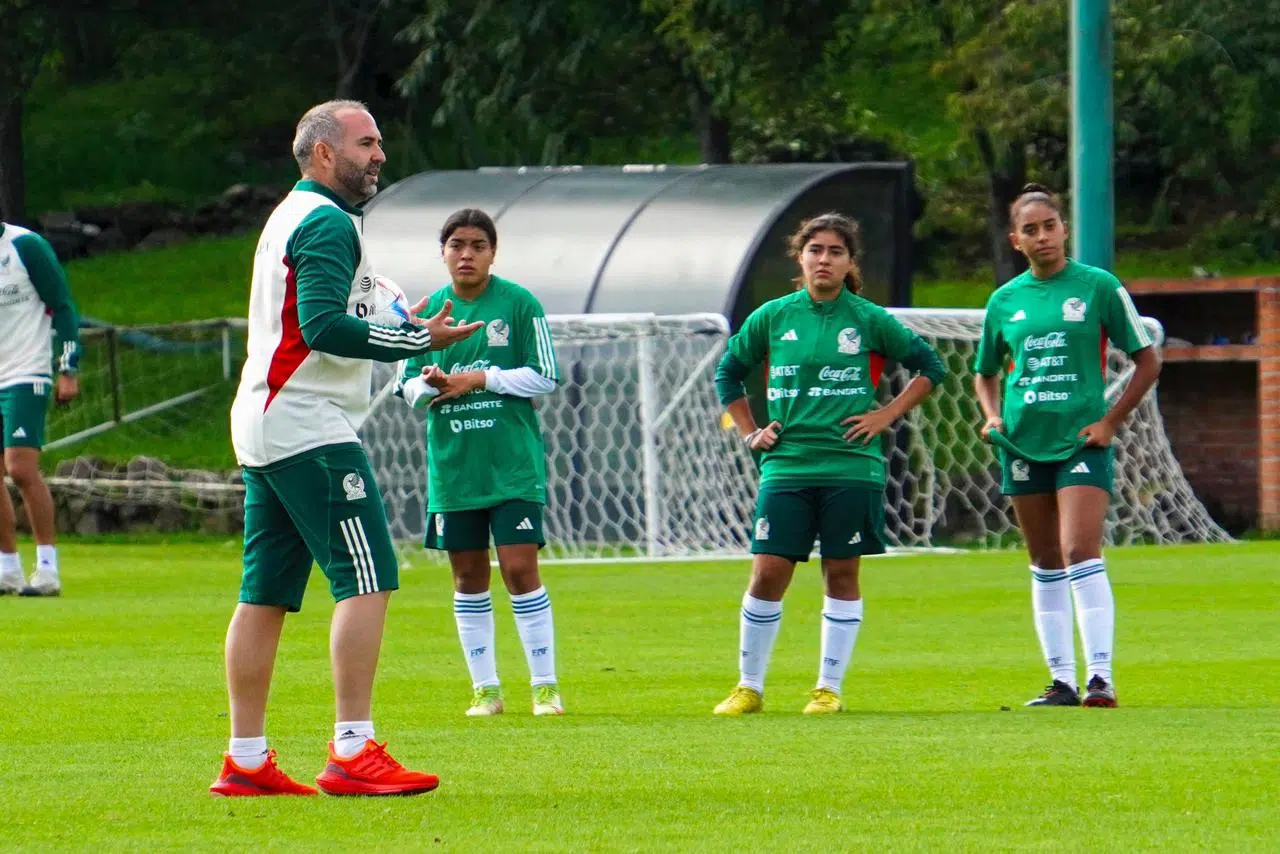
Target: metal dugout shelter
[662,239]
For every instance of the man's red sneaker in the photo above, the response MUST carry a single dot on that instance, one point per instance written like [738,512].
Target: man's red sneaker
[235,781]
[372,771]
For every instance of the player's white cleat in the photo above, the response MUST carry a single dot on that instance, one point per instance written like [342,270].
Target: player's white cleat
[11,582]
[44,582]
[546,701]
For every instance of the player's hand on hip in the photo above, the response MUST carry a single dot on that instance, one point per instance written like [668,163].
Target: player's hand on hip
[996,424]
[456,385]
[867,426]
[445,330]
[435,377]
[67,389]
[763,438]
[1098,435]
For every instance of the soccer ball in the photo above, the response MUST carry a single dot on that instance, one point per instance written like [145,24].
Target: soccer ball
[390,306]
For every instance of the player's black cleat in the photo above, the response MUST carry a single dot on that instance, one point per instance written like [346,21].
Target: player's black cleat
[1101,694]
[1057,694]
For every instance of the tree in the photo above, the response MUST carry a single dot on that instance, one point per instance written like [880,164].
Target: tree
[538,79]
[26,34]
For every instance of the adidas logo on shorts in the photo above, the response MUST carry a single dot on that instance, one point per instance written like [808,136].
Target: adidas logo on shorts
[1080,468]
[855,539]
[525,525]
[20,433]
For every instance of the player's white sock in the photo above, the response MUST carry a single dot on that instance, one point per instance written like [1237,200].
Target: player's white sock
[537,633]
[840,621]
[1095,614]
[349,737]
[473,612]
[47,558]
[1051,607]
[249,753]
[10,563]
[757,630]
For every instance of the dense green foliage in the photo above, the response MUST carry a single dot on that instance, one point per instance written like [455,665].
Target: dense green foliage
[133,99]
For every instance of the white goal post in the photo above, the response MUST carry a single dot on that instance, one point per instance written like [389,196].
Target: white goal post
[641,462]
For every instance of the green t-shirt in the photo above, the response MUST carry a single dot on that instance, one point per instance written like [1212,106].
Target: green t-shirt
[1051,337]
[485,448]
[825,360]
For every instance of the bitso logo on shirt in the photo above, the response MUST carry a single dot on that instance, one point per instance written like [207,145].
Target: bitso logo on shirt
[498,333]
[1073,310]
[1020,470]
[762,528]
[849,341]
[353,486]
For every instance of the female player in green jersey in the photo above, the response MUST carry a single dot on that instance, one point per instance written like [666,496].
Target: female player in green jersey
[486,460]
[822,472]
[1048,330]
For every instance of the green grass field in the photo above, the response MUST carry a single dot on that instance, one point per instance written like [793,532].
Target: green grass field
[115,715]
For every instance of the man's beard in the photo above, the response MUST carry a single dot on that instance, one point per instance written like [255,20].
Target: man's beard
[351,178]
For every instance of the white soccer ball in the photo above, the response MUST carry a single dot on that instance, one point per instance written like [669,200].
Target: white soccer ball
[390,306]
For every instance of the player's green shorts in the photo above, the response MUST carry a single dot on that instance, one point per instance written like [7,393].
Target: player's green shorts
[321,506]
[848,519]
[512,523]
[22,412]
[1087,467]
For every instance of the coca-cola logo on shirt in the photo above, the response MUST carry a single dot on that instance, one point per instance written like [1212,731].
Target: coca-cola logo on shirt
[1051,341]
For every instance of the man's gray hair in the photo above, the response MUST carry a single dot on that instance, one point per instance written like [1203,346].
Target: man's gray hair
[320,124]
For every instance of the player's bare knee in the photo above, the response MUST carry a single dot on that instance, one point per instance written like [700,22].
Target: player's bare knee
[25,474]
[1080,552]
[470,571]
[1047,558]
[521,577]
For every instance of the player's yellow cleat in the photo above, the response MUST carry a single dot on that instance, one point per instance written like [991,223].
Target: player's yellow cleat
[546,701]
[823,701]
[486,702]
[741,701]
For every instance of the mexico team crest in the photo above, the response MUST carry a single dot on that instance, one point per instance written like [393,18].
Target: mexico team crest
[1073,310]
[353,486]
[1020,470]
[498,333]
[762,528]
[849,341]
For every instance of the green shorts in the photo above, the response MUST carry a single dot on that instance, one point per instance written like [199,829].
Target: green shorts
[22,412]
[513,523]
[1087,467]
[323,507]
[847,519]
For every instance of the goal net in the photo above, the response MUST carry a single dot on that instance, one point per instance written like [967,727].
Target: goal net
[642,463]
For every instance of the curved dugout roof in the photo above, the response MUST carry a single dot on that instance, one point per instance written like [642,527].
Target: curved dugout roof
[665,239]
